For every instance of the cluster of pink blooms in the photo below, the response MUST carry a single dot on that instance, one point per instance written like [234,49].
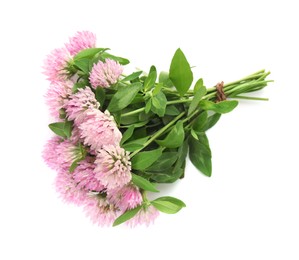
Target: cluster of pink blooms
[101,181]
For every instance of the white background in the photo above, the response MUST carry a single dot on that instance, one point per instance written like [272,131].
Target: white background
[247,210]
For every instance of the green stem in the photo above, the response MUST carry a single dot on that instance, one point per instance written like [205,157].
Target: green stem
[158,133]
[133,112]
[252,98]
[255,75]
[178,101]
[250,83]
[245,88]
[143,108]
[259,74]
[191,115]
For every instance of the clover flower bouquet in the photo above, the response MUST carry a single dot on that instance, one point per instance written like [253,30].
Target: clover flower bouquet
[118,135]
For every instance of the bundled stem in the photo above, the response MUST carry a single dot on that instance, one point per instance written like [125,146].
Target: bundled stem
[251,83]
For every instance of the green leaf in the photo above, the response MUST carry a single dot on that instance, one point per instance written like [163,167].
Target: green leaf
[132,76]
[143,183]
[127,134]
[157,89]
[180,72]
[140,124]
[58,129]
[194,134]
[80,155]
[201,91]
[121,60]
[158,104]
[83,65]
[100,95]
[211,121]
[140,133]
[168,205]
[164,78]
[167,176]
[182,154]
[167,119]
[67,129]
[129,120]
[123,97]
[144,117]
[88,53]
[75,164]
[221,107]
[200,154]
[138,99]
[126,216]
[152,68]
[78,85]
[135,145]
[148,106]
[173,200]
[132,147]
[151,79]
[63,129]
[175,137]
[198,85]
[200,122]
[143,160]
[172,110]
[165,161]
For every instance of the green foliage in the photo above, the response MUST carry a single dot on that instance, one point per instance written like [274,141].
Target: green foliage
[121,60]
[143,160]
[100,95]
[211,121]
[132,76]
[63,129]
[123,97]
[200,122]
[165,161]
[172,111]
[81,154]
[200,154]
[127,134]
[199,93]
[182,154]
[203,122]
[158,104]
[88,53]
[167,176]
[67,129]
[148,106]
[222,107]
[77,86]
[126,216]
[180,72]
[134,145]
[169,205]
[151,79]
[164,79]
[175,137]
[143,183]
[83,65]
